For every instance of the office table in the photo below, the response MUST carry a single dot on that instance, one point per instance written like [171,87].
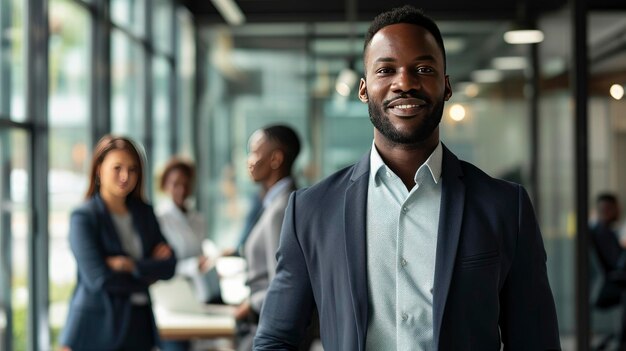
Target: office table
[213,322]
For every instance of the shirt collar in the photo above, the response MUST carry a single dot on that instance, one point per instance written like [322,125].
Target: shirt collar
[433,164]
[276,189]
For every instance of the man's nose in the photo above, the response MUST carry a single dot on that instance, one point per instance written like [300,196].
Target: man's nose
[405,81]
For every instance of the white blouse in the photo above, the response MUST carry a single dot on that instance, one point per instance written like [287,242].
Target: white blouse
[185,232]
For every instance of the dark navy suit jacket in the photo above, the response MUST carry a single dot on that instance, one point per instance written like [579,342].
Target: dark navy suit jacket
[100,307]
[490,284]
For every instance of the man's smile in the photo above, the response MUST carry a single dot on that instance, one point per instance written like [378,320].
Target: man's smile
[406,107]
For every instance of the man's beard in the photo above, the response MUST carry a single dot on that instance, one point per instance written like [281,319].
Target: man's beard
[381,122]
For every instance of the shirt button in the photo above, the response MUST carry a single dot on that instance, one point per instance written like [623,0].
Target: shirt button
[405,209]
[388,174]
[403,262]
[405,317]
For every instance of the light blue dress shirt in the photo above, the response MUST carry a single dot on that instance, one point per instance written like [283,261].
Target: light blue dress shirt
[402,230]
[276,190]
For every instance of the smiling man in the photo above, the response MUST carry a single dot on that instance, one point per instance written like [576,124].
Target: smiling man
[410,248]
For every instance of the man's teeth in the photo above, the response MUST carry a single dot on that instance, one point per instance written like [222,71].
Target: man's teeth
[406,106]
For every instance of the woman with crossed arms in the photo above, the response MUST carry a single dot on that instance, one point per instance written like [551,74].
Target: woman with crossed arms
[119,251]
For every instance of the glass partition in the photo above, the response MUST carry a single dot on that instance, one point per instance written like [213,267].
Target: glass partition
[129,14]
[162,26]
[127,88]
[161,121]
[69,99]
[15,214]
[607,145]
[186,61]
[12,61]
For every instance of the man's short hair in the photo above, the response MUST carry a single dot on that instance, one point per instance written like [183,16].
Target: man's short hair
[405,14]
[287,140]
[606,197]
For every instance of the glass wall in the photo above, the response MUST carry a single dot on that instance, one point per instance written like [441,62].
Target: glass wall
[127,90]
[15,215]
[15,175]
[247,88]
[70,75]
[162,126]
[59,44]
[130,15]
[607,145]
[12,61]
[186,58]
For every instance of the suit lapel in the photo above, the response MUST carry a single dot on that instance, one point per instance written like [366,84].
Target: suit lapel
[450,218]
[111,239]
[355,239]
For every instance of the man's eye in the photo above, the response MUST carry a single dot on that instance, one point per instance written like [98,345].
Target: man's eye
[384,70]
[424,70]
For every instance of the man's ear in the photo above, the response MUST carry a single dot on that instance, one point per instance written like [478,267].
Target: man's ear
[363,90]
[278,157]
[448,91]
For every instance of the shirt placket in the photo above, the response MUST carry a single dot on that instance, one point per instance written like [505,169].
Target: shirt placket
[403,315]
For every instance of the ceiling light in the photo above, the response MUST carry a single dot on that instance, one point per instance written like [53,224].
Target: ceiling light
[523,36]
[230,11]
[457,112]
[509,63]
[617,91]
[453,45]
[486,76]
[469,89]
[345,81]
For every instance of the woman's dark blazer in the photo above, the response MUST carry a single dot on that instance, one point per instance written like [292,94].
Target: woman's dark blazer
[100,308]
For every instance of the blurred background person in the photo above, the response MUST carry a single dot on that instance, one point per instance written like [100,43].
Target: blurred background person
[119,251]
[605,231]
[272,152]
[185,228]
[610,284]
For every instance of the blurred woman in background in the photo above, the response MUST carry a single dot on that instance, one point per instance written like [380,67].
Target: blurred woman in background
[119,251]
[185,229]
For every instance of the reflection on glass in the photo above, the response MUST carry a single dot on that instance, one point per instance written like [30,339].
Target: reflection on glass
[129,14]
[185,92]
[12,61]
[161,115]
[127,115]
[250,88]
[607,171]
[14,229]
[69,144]
[162,25]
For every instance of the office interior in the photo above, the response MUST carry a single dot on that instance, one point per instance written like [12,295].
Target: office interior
[192,78]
